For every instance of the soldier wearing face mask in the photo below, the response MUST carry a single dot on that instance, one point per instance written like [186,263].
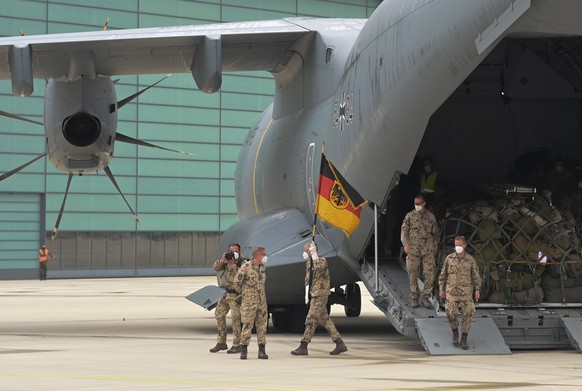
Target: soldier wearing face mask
[227,268]
[458,280]
[419,236]
[317,285]
[250,281]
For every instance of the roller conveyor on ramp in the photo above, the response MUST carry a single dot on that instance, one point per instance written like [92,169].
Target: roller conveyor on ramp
[495,328]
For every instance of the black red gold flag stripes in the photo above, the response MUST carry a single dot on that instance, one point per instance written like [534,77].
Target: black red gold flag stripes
[338,202]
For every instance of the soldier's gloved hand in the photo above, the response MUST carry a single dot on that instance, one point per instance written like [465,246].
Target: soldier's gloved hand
[313,251]
[306,294]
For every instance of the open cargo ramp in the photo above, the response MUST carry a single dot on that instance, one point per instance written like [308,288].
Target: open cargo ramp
[573,328]
[436,337]
[545,326]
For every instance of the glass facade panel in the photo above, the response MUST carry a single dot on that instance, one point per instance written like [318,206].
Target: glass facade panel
[84,249]
[171,249]
[143,250]
[185,249]
[113,248]
[70,18]
[14,9]
[335,9]
[99,250]
[68,250]
[283,6]
[184,203]
[125,5]
[237,14]
[157,244]
[128,249]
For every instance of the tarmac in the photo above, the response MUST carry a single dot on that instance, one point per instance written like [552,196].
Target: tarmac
[142,334]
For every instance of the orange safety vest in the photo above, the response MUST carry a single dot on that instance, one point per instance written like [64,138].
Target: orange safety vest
[43,255]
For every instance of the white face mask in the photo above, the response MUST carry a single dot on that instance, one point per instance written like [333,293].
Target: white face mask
[236,255]
[459,249]
[559,168]
[265,260]
[305,256]
[418,208]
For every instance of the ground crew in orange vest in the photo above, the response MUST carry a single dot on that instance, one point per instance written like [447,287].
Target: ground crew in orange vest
[43,255]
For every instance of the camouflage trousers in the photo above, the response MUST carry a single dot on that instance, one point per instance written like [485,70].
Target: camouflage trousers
[318,315]
[467,308]
[228,302]
[254,314]
[413,264]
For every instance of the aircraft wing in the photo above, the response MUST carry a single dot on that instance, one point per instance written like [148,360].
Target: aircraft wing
[236,46]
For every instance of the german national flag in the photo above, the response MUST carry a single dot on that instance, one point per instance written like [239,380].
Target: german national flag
[338,202]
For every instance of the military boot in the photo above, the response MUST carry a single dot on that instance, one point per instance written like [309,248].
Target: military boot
[426,302]
[219,346]
[455,337]
[262,355]
[414,302]
[234,349]
[340,347]
[464,344]
[243,352]
[301,350]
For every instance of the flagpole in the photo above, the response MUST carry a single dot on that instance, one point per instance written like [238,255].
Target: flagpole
[313,230]
[376,243]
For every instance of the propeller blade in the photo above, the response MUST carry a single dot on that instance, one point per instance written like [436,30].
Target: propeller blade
[123,102]
[56,228]
[10,115]
[110,175]
[10,173]
[130,140]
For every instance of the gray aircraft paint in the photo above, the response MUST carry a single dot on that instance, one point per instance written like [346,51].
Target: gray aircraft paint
[386,75]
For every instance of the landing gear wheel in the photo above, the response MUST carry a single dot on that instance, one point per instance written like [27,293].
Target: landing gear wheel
[353,306]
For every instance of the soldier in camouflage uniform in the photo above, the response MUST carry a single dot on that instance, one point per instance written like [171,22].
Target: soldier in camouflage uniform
[230,301]
[458,280]
[317,278]
[250,281]
[419,236]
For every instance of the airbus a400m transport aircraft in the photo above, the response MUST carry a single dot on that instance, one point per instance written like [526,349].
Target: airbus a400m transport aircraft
[371,90]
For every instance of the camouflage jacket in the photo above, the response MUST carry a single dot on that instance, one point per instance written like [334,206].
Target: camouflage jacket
[419,231]
[230,272]
[250,282]
[319,279]
[460,276]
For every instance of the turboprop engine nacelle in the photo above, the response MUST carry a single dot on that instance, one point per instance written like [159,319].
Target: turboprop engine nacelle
[80,123]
